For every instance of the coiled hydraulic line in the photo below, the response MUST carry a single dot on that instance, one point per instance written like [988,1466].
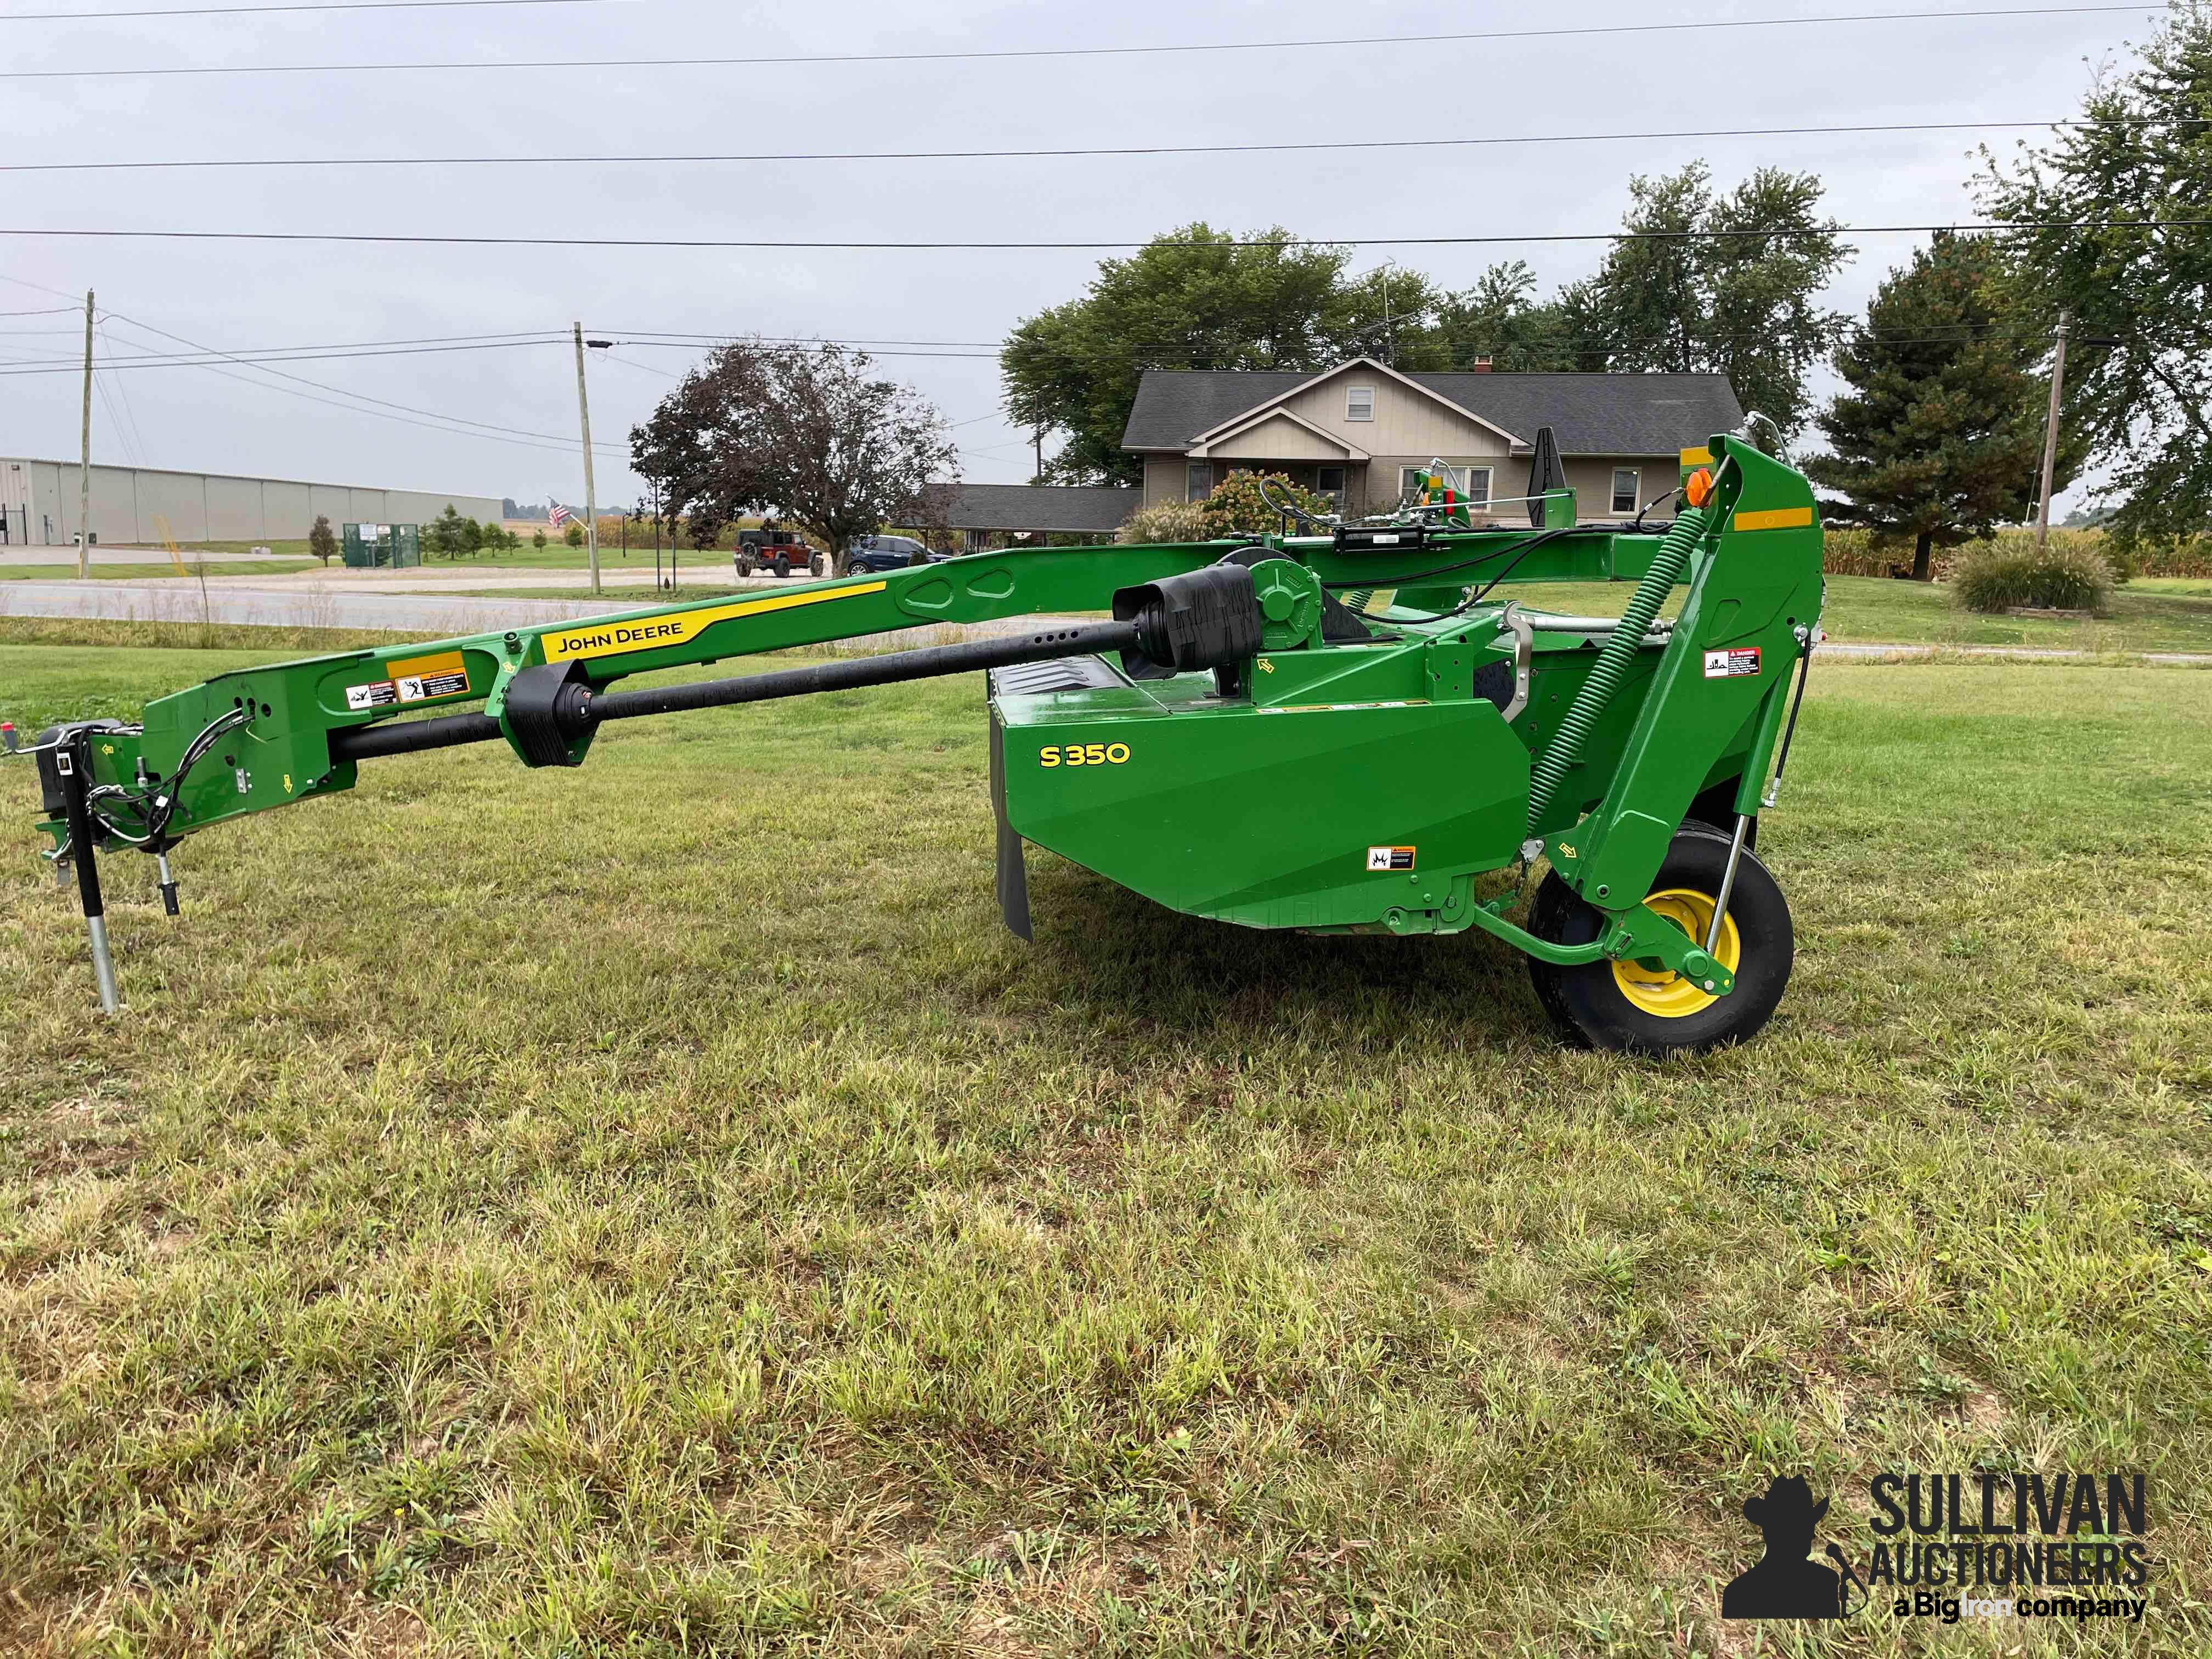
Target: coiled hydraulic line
[1566,748]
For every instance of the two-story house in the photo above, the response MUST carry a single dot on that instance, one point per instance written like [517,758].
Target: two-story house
[1358,433]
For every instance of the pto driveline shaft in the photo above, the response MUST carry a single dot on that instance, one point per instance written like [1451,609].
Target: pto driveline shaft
[851,673]
[579,709]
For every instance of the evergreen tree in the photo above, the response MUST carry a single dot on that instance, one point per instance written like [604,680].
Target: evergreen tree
[1940,438]
[322,542]
[443,533]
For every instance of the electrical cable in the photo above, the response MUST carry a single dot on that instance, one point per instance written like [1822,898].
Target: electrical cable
[258,11]
[282,354]
[1024,53]
[508,434]
[394,238]
[1122,151]
[163,795]
[1421,576]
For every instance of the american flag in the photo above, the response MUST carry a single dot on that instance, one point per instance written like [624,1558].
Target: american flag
[560,515]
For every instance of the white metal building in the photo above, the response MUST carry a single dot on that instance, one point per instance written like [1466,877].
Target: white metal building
[142,505]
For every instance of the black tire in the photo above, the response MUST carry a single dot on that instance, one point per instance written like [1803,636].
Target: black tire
[1714,809]
[1592,1007]
[782,565]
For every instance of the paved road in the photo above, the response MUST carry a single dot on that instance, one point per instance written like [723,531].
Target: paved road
[66,555]
[266,604]
[256,605]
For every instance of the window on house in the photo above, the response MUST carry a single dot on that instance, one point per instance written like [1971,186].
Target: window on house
[1329,481]
[1627,483]
[1476,485]
[1359,403]
[1197,481]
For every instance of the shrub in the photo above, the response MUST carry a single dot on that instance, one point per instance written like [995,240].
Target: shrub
[1170,521]
[574,535]
[1236,508]
[538,539]
[2070,574]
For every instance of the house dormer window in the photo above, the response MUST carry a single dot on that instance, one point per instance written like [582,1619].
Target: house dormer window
[1359,403]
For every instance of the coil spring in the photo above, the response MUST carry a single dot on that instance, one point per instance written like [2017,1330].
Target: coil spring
[1566,748]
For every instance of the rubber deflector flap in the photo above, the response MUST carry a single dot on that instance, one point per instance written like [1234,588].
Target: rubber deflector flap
[1013,876]
[532,696]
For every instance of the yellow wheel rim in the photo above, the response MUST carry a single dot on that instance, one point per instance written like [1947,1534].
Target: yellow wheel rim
[1667,994]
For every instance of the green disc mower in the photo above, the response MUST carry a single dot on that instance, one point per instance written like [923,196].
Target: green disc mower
[1336,729]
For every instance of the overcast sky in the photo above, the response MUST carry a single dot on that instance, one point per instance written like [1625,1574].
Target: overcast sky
[247,295]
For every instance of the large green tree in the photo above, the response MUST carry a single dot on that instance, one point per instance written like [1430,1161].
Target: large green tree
[1938,439]
[1499,317]
[1195,298]
[1728,284]
[2140,153]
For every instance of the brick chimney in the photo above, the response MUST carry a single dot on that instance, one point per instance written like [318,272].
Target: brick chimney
[1479,366]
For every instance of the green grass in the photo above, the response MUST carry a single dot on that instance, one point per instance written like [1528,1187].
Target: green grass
[259,644]
[142,572]
[655,1209]
[2152,614]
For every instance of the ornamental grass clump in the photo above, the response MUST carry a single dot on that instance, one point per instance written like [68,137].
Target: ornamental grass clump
[2068,574]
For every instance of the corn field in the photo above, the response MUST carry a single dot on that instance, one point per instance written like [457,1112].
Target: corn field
[1852,553]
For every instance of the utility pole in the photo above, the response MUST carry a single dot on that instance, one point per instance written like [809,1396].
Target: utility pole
[1038,439]
[84,459]
[591,490]
[2051,432]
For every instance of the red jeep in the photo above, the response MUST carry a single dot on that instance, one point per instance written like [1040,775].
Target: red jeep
[779,550]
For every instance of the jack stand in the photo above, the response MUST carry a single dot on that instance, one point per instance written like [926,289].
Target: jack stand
[73,761]
[168,884]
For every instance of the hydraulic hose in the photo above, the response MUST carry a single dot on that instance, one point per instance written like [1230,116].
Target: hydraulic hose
[1565,747]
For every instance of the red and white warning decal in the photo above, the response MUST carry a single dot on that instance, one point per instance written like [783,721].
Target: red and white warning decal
[372,696]
[1732,664]
[1390,857]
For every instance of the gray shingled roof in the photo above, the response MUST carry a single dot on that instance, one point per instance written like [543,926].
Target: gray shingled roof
[1589,414]
[1031,507]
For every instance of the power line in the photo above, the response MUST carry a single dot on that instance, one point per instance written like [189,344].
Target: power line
[1016,53]
[44,311]
[396,238]
[180,360]
[984,350]
[504,434]
[1120,151]
[259,11]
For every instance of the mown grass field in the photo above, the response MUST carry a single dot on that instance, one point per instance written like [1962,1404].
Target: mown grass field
[655,1209]
[134,572]
[2149,614]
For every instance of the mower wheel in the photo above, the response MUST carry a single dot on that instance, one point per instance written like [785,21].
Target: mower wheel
[1622,1006]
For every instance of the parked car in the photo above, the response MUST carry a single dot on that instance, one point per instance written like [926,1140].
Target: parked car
[888,553]
[779,550]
